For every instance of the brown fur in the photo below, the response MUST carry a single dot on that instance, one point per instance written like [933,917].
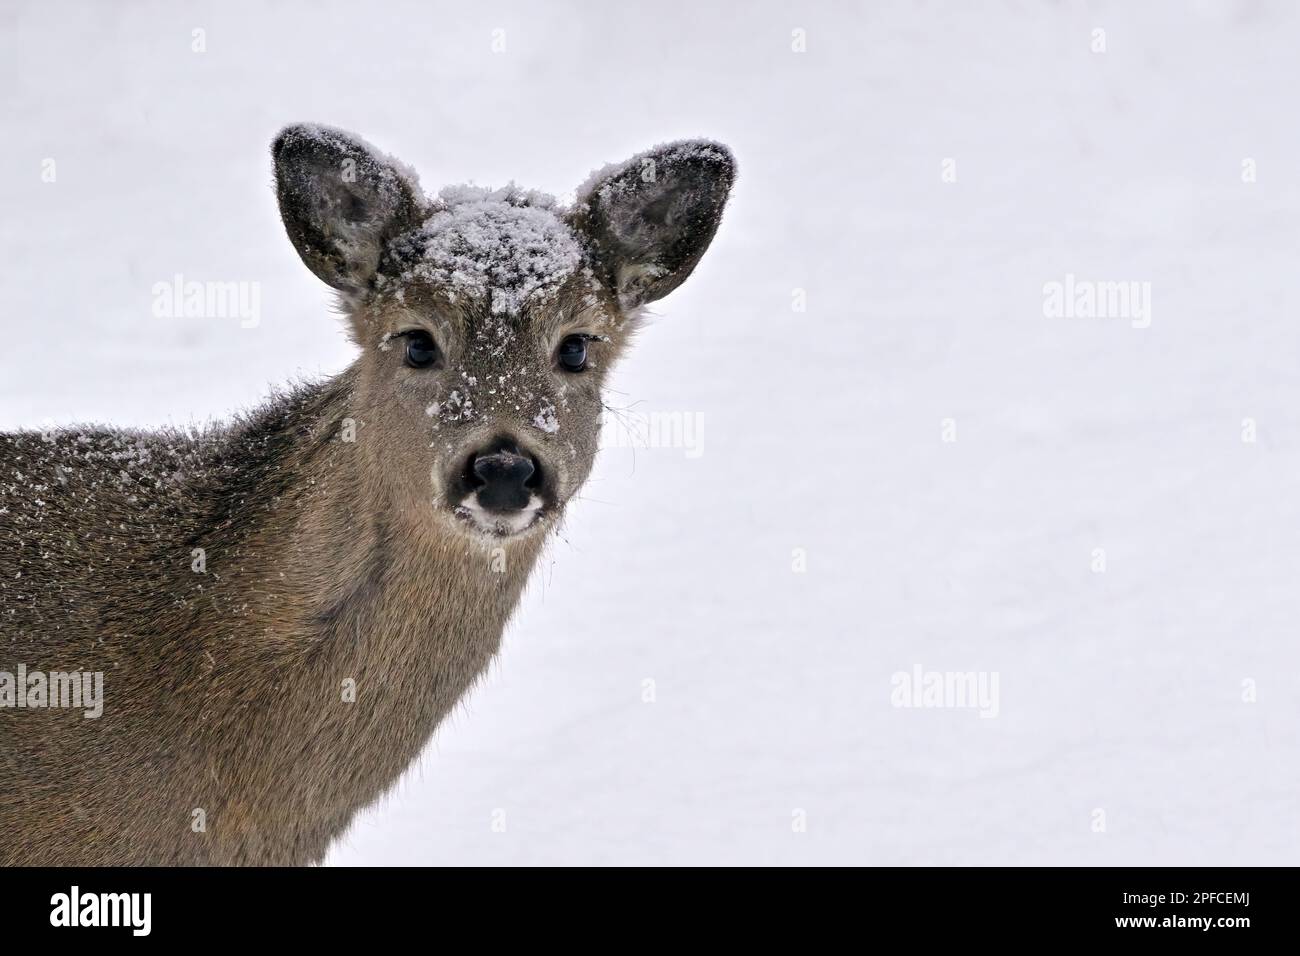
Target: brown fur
[326,560]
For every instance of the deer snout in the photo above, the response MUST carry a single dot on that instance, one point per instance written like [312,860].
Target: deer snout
[502,489]
[504,478]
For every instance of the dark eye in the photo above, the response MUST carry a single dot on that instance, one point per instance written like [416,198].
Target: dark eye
[421,352]
[573,353]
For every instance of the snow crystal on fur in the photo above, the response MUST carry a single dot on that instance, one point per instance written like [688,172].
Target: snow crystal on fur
[611,178]
[506,244]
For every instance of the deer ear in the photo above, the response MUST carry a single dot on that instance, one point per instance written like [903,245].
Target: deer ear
[648,221]
[341,201]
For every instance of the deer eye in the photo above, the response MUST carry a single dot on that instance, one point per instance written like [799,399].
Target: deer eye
[421,352]
[572,355]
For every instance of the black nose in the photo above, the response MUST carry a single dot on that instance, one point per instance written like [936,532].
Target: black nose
[505,478]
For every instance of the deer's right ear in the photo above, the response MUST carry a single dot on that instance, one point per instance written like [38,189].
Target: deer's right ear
[341,201]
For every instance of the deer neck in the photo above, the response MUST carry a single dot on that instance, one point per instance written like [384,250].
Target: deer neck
[379,618]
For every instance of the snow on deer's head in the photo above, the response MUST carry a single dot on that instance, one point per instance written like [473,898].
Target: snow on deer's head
[489,319]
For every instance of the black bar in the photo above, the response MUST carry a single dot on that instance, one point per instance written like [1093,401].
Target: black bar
[942,905]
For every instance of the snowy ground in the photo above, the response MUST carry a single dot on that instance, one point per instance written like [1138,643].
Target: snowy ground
[1120,691]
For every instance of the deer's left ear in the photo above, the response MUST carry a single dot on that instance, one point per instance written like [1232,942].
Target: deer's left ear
[647,221]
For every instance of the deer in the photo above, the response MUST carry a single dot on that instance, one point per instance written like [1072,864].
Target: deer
[284,605]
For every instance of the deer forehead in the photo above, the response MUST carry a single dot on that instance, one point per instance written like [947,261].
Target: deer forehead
[492,251]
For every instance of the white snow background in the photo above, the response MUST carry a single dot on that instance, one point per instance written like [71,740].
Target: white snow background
[1121,691]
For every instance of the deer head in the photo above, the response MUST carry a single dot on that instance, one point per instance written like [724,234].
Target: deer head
[489,319]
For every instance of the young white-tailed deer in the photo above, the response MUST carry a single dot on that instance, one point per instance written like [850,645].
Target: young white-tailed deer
[284,608]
